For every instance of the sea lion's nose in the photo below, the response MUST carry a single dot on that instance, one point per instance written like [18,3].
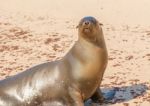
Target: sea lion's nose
[86,23]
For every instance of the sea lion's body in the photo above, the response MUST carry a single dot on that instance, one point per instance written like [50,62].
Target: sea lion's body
[66,82]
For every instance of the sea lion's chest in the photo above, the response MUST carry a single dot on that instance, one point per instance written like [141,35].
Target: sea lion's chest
[88,69]
[87,62]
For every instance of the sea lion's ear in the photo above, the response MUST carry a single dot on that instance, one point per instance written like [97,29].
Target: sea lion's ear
[77,26]
[100,24]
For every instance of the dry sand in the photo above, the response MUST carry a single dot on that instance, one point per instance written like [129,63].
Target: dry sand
[36,31]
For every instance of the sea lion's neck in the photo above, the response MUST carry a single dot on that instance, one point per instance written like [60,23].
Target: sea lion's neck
[96,40]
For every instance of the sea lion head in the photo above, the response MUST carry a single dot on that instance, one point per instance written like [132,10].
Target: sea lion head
[89,27]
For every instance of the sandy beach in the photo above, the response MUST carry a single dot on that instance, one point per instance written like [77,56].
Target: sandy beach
[37,31]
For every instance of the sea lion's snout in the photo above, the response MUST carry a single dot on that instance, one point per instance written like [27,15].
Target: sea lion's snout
[86,23]
[86,26]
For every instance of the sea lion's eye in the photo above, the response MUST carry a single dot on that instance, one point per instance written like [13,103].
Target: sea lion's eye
[93,21]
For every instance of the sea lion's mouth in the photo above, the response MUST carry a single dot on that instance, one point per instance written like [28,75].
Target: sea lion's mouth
[86,30]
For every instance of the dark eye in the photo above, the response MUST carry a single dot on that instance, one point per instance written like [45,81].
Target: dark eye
[93,21]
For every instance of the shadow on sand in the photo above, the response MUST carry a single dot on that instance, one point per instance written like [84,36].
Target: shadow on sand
[120,94]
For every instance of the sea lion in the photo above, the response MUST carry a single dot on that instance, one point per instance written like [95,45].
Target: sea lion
[65,82]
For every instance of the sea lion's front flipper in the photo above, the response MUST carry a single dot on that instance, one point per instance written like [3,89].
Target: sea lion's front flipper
[98,96]
[76,98]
